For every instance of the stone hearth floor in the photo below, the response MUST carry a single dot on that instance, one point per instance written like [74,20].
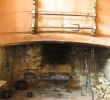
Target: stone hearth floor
[75,95]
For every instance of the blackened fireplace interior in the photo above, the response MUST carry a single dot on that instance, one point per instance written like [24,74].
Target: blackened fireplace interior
[56,53]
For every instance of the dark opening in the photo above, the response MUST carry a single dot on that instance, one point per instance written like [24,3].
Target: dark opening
[56,53]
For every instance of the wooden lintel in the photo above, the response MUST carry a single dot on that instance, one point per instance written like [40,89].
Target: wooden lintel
[18,38]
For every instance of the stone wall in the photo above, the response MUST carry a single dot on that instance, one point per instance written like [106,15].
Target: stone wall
[3,60]
[32,56]
[15,60]
[26,57]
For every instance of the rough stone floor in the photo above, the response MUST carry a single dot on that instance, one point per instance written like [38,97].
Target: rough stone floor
[75,95]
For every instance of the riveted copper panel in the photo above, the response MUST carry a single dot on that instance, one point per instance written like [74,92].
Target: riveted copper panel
[15,16]
[103,18]
[65,16]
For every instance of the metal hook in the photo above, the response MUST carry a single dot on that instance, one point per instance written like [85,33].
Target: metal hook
[78,27]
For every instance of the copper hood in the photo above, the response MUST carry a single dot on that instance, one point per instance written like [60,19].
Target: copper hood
[79,21]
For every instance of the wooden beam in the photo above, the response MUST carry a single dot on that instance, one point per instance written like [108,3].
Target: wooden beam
[24,38]
[2,83]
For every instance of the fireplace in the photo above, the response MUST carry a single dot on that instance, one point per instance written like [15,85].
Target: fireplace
[62,67]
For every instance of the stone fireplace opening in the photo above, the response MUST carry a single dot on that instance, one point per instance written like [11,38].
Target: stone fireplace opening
[56,70]
[59,69]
